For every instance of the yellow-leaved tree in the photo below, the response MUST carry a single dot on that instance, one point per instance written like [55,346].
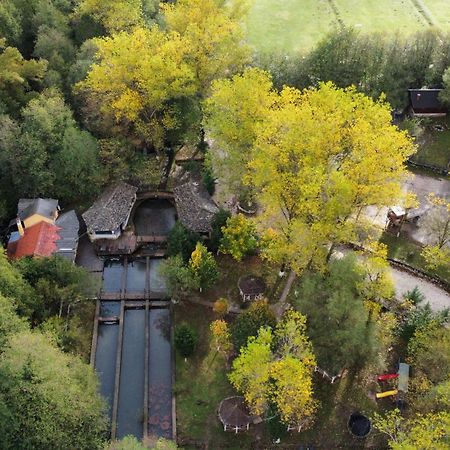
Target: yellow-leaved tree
[135,78]
[276,367]
[233,112]
[114,15]
[216,37]
[317,159]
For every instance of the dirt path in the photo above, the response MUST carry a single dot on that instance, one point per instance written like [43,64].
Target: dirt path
[404,282]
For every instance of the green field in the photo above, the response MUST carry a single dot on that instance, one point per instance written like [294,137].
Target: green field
[288,26]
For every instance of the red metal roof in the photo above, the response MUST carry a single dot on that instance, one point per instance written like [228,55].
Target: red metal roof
[38,240]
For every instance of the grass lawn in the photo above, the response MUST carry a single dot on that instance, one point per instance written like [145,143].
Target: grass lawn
[434,146]
[201,384]
[381,15]
[229,273]
[289,26]
[440,11]
[408,251]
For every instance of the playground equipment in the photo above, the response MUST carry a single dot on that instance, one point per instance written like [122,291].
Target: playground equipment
[402,385]
[386,393]
[388,376]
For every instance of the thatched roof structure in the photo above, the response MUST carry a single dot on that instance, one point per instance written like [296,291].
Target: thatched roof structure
[196,209]
[234,414]
[111,209]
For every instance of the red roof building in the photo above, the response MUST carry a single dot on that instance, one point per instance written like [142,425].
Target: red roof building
[37,240]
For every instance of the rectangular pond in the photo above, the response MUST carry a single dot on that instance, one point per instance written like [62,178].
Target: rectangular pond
[157,282]
[160,374]
[105,361]
[112,276]
[136,276]
[109,309]
[131,392]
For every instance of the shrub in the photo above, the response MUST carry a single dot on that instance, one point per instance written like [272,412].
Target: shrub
[185,340]
[203,266]
[221,307]
[219,221]
[248,323]
[181,241]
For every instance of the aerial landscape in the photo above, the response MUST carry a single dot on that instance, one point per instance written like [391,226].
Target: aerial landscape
[225,224]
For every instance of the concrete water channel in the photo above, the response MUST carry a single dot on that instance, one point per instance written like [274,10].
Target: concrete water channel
[132,351]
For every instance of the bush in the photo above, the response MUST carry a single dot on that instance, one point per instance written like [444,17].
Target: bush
[219,221]
[203,266]
[181,241]
[179,278]
[185,340]
[221,307]
[248,323]
[208,180]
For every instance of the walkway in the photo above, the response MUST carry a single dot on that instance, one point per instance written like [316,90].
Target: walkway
[404,282]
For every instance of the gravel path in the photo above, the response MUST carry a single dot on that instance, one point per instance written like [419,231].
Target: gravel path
[404,282]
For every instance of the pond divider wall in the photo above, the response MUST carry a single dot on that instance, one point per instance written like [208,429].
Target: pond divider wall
[118,367]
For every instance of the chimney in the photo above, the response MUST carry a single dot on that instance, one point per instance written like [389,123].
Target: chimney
[20,227]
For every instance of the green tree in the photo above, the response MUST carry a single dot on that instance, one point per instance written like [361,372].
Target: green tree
[179,278]
[185,340]
[203,266]
[340,326]
[181,241]
[14,287]
[219,221]
[48,154]
[429,352]
[250,321]
[10,322]
[239,237]
[16,74]
[54,396]
[59,285]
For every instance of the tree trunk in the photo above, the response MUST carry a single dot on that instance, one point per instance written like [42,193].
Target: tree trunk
[287,287]
[167,169]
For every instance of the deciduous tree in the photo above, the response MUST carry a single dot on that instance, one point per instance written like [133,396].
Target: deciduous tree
[239,237]
[276,368]
[203,266]
[149,73]
[120,15]
[427,432]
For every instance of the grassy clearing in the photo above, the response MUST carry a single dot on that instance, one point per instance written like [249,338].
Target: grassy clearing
[229,273]
[381,15]
[201,384]
[434,146]
[440,11]
[290,26]
[286,26]
[408,251]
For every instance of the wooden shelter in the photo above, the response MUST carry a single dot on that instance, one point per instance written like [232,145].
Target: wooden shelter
[251,287]
[234,414]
